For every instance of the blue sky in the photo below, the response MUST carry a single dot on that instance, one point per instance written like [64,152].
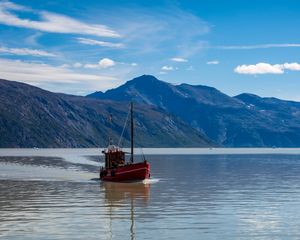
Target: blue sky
[79,47]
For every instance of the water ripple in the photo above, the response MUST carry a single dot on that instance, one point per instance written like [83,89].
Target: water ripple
[189,197]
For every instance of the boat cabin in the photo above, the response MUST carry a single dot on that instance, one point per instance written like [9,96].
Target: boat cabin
[114,157]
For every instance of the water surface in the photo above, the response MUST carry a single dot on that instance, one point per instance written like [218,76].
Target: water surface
[50,195]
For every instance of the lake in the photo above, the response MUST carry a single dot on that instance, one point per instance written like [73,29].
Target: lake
[208,194]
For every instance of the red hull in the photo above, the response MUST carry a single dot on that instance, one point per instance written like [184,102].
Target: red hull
[128,173]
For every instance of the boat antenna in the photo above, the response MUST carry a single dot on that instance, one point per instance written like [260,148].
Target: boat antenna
[131,118]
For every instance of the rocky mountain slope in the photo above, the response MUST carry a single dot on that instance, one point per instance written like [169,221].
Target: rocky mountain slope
[32,117]
[243,121]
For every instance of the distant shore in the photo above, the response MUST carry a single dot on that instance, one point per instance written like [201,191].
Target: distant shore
[148,151]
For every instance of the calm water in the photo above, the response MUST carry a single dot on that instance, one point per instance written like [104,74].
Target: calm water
[189,197]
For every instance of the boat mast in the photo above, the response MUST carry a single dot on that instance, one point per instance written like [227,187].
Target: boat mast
[131,138]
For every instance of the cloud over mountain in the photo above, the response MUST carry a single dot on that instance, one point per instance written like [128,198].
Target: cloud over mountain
[167,68]
[266,68]
[55,78]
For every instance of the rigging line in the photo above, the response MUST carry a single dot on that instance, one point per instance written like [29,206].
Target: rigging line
[140,146]
[120,139]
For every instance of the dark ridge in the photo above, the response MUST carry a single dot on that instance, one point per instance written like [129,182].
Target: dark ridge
[32,117]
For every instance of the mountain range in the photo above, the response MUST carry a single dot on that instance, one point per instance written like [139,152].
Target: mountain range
[166,115]
[246,120]
[32,117]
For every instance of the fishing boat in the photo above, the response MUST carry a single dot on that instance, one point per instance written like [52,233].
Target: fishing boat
[116,168]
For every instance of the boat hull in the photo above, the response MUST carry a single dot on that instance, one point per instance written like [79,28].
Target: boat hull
[128,173]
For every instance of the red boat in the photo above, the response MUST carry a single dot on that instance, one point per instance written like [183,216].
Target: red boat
[117,170]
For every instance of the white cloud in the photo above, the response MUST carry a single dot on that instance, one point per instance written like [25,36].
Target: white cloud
[155,30]
[65,65]
[292,66]
[266,68]
[259,68]
[260,46]
[162,72]
[106,63]
[33,39]
[190,68]
[77,65]
[167,68]
[12,6]
[214,62]
[89,65]
[51,22]
[178,59]
[54,78]
[26,51]
[103,63]
[88,41]
[134,64]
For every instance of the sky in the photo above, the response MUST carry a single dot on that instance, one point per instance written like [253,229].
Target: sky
[79,47]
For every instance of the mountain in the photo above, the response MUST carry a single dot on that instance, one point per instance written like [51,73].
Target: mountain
[246,120]
[166,115]
[149,90]
[32,117]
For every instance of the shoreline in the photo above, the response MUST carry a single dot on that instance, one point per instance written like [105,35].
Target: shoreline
[147,151]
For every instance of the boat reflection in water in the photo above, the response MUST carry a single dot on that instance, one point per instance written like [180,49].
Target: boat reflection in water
[124,200]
